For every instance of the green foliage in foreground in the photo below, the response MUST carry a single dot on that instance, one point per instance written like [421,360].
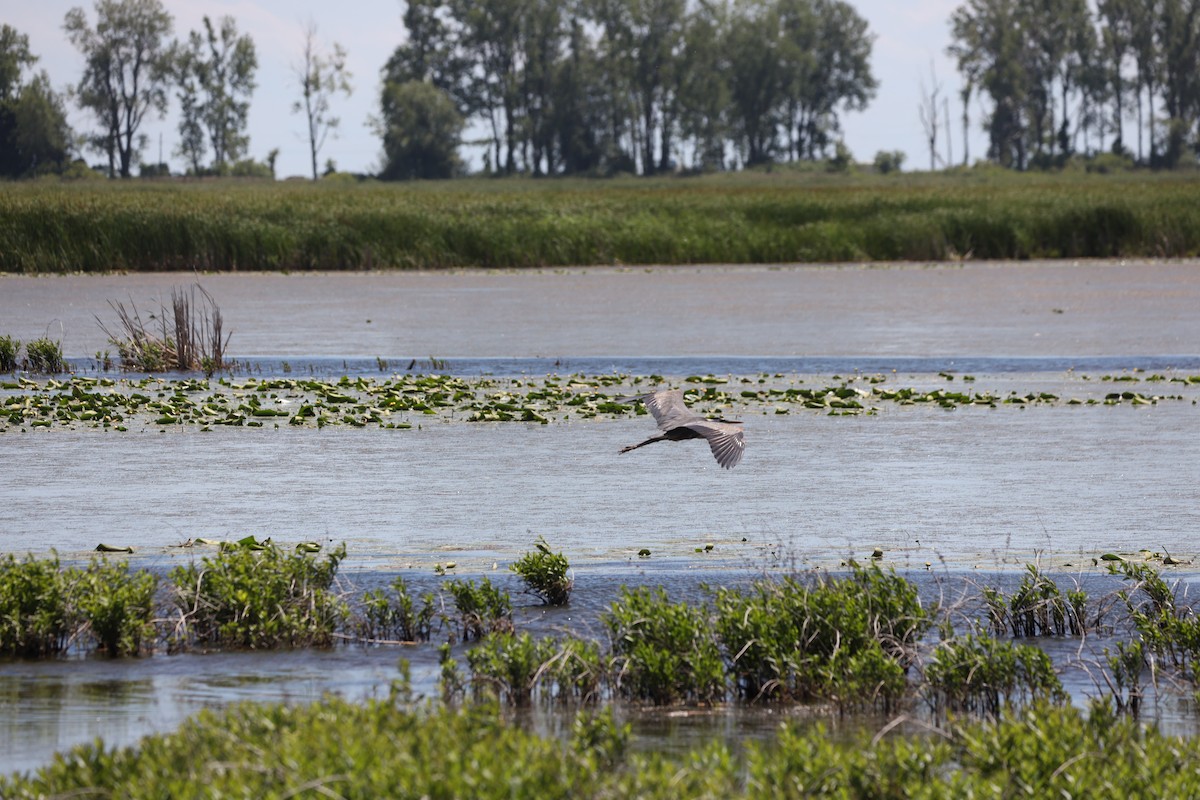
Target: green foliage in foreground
[335,748]
[777,218]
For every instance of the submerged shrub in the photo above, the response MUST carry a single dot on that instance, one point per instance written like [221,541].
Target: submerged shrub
[663,652]
[1037,608]
[508,666]
[116,605]
[482,609]
[545,574]
[1164,628]
[848,639]
[982,674]
[35,613]
[395,616]
[262,596]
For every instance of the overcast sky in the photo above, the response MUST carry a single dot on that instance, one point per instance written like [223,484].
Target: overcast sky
[911,35]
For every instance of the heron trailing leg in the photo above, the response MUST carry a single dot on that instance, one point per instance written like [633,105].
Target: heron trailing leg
[651,440]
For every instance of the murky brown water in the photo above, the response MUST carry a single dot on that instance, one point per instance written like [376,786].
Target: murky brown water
[975,487]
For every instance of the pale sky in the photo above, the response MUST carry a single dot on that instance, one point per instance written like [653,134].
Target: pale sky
[910,35]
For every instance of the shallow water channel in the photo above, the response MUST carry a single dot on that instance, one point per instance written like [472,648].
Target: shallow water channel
[952,497]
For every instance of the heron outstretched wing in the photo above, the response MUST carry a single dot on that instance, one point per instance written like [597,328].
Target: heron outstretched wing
[725,439]
[668,408]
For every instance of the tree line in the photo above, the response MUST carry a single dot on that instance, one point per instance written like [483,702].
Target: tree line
[1062,77]
[601,87]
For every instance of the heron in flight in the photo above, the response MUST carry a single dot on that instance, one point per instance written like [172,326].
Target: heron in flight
[678,422]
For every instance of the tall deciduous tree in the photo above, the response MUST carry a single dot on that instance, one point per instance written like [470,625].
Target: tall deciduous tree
[320,76]
[216,80]
[128,65]
[34,137]
[421,132]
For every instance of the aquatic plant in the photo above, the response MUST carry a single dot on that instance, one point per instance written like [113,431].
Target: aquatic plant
[35,612]
[545,574]
[189,338]
[1166,629]
[1037,607]
[848,639]
[258,598]
[45,355]
[282,750]
[116,605]
[663,652]
[9,349]
[482,609]
[394,615]
[508,666]
[978,673]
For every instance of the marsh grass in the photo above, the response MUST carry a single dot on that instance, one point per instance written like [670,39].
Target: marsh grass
[46,356]
[188,338]
[1038,607]
[741,218]
[10,348]
[394,615]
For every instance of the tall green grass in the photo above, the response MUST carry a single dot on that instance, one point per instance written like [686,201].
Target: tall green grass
[758,218]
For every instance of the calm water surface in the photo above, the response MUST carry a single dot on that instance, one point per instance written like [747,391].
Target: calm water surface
[971,491]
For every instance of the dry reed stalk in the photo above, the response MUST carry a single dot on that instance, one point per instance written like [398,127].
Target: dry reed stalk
[193,339]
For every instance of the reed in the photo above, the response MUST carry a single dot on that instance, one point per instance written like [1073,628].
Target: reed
[190,338]
[754,218]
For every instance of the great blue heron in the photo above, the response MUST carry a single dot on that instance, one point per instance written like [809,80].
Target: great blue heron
[678,422]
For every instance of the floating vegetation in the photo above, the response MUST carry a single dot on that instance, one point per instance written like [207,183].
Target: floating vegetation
[402,401]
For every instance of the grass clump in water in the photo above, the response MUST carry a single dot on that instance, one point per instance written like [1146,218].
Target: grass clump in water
[482,609]
[258,597]
[982,674]
[9,349]
[189,337]
[848,639]
[545,574]
[35,614]
[45,355]
[395,616]
[45,609]
[1037,608]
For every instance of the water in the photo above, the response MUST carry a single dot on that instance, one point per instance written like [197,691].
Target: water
[971,492]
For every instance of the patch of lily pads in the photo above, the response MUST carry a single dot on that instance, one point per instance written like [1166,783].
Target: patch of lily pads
[402,401]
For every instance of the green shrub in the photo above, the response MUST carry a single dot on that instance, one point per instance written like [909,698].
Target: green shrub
[44,355]
[482,609]
[508,666]
[116,605]
[258,597]
[1037,608]
[395,616]
[663,652]
[9,349]
[849,639]
[982,674]
[545,575]
[36,618]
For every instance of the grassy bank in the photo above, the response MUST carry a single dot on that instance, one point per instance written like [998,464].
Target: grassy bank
[755,218]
